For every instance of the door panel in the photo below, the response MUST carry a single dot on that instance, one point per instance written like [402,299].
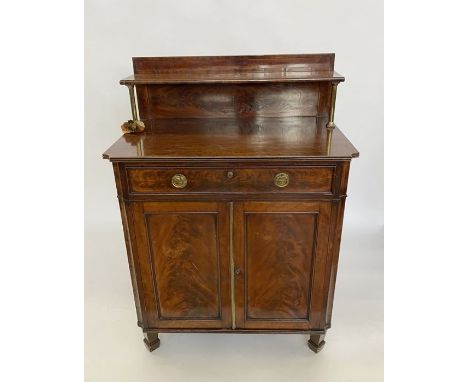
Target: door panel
[184,249]
[280,257]
[280,263]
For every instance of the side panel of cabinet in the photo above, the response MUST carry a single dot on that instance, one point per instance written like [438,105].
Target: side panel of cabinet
[281,261]
[183,253]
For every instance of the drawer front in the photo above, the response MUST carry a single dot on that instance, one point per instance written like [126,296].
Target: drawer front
[317,179]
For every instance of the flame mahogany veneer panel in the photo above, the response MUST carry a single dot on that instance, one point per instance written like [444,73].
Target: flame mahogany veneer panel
[183,254]
[233,100]
[279,257]
[185,257]
[281,248]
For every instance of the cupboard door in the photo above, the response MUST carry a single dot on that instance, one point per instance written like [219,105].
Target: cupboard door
[183,253]
[280,251]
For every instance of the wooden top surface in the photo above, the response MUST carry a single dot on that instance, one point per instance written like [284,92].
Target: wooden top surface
[233,138]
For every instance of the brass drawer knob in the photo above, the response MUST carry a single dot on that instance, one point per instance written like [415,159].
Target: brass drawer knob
[281,180]
[179,181]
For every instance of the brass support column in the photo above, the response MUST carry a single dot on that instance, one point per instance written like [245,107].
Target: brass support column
[329,139]
[133,125]
[131,90]
[139,149]
[231,258]
[331,121]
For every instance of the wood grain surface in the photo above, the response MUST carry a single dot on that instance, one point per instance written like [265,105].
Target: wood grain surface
[281,251]
[145,180]
[230,101]
[279,257]
[185,260]
[234,139]
[206,67]
[183,253]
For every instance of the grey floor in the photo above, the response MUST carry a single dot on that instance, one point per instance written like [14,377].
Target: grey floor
[114,350]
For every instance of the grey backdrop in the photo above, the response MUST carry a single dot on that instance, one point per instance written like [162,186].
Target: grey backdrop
[117,30]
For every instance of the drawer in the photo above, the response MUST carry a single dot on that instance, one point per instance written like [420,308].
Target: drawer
[148,180]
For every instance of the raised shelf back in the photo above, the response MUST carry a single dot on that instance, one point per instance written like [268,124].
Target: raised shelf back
[200,93]
[309,62]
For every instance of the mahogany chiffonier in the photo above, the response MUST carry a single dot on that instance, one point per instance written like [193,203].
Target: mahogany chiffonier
[232,198]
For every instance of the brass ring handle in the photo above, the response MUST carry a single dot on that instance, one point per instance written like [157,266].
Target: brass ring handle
[281,179]
[179,181]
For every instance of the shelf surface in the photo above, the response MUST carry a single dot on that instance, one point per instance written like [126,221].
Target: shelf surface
[226,138]
[240,76]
